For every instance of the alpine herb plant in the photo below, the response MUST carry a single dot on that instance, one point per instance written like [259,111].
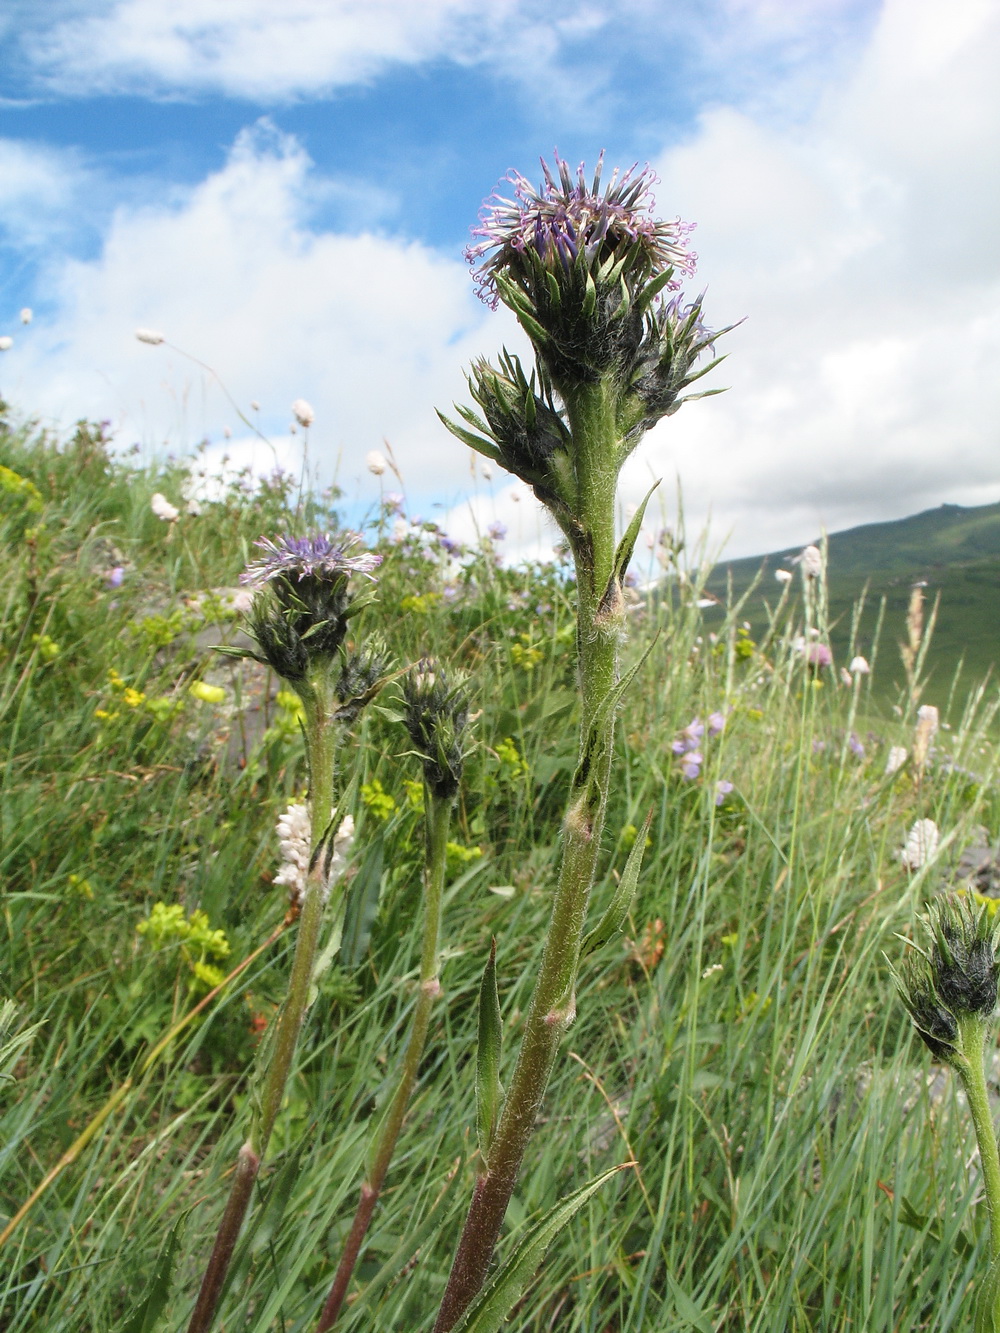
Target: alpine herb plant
[594,280]
[305,600]
[949,985]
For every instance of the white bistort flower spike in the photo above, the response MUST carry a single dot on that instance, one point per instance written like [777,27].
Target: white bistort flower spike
[6,343]
[811,560]
[150,336]
[376,462]
[784,575]
[27,315]
[921,844]
[303,413]
[163,509]
[859,667]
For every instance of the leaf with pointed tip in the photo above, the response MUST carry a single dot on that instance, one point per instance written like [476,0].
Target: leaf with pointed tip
[614,918]
[626,546]
[473,441]
[653,288]
[488,1089]
[144,1316]
[230,650]
[362,905]
[988,1301]
[490,1308]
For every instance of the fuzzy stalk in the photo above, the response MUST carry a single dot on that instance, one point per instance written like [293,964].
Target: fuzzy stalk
[973,1075]
[600,632]
[322,738]
[438,825]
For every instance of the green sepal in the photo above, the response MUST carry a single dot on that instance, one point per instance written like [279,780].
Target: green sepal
[488,1089]
[589,297]
[231,650]
[490,1308]
[621,904]
[623,555]
[652,289]
[480,445]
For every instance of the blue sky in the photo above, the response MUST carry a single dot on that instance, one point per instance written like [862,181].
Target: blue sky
[285,191]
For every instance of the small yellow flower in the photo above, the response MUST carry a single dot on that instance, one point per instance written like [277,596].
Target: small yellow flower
[133,697]
[104,715]
[209,694]
[48,649]
[289,701]
[377,799]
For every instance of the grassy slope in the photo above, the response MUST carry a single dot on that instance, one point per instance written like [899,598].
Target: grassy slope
[954,549]
[747,1040]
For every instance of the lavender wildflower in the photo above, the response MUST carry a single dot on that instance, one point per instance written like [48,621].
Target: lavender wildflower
[691,765]
[497,532]
[722,789]
[855,746]
[716,723]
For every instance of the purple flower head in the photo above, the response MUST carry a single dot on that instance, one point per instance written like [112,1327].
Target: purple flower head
[318,557]
[722,789]
[855,746]
[497,531]
[716,724]
[691,765]
[114,577]
[818,655]
[300,614]
[690,737]
[392,502]
[452,547]
[565,217]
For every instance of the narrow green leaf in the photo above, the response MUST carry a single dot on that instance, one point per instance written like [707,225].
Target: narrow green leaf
[491,1307]
[614,918]
[488,1089]
[988,1301]
[473,441]
[146,1314]
[653,288]
[690,1313]
[362,905]
[623,555]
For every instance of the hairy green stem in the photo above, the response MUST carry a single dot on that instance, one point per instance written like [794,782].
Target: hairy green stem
[973,1076]
[600,633]
[438,821]
[322,750]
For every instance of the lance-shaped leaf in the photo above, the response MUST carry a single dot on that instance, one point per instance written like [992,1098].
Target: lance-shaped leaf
[488,1089]
[145,1315]
[618,909]
[491,1307]
[623,555]
[362,905]
[988,1301]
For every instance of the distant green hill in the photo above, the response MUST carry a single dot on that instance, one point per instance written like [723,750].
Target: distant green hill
[954,550]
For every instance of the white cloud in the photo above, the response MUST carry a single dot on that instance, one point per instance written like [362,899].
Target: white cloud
[861,246]
[271,52]
[374,332]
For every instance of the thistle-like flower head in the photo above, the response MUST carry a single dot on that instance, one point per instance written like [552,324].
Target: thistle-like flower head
[566,217]
[303,604]
[955,978]
[436,714]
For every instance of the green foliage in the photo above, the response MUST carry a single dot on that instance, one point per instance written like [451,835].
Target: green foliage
[798,1169]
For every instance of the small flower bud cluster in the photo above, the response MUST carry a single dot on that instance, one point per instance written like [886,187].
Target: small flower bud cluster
[436,713]
[360,678]
[294,830]
[955,979]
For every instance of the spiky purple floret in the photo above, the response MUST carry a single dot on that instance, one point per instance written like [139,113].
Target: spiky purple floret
[306,557]
[564,216]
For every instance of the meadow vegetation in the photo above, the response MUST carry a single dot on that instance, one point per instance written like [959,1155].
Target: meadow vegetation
[799,1163]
